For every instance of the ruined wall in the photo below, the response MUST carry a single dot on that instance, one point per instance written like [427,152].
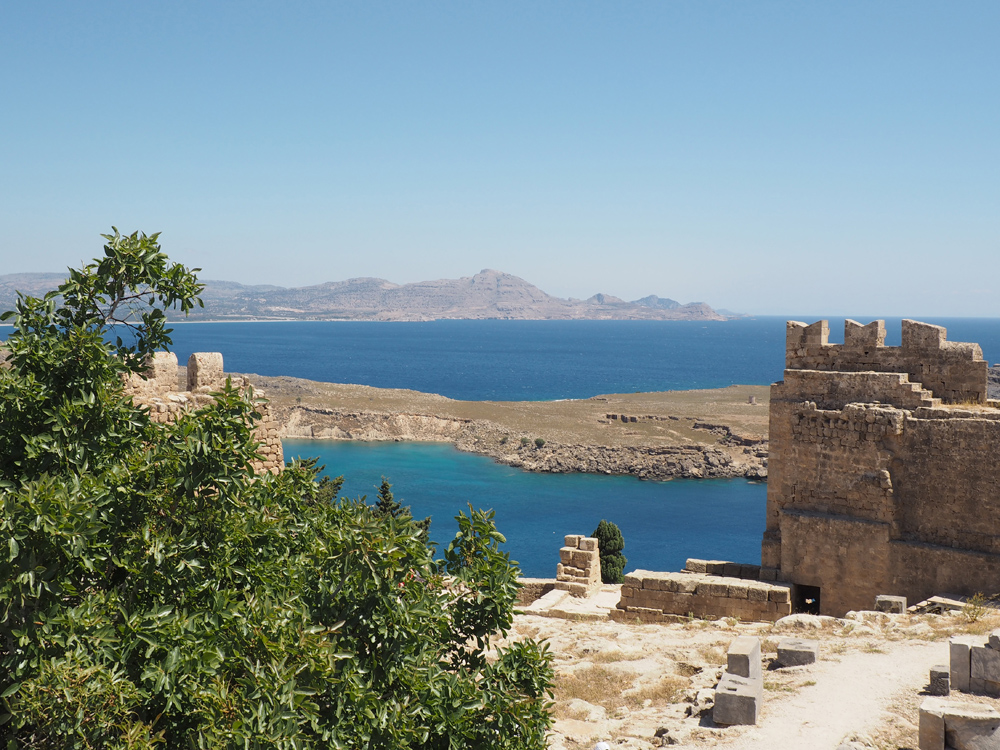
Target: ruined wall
[874,486]
[165,396]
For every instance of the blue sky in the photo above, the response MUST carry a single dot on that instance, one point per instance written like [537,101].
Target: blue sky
[768,157]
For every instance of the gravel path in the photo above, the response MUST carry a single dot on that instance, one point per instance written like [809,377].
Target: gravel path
[850,695]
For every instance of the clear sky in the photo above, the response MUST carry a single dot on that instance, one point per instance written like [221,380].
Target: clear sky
[816,158]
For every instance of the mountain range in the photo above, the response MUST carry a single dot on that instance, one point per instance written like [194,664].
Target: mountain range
[488,294]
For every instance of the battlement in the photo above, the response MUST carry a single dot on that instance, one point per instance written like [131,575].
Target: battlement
[163,392]
[952,371]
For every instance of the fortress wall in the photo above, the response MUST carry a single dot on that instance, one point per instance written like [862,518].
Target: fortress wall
[954,371]
[873,488]
[160,392]
[946,476]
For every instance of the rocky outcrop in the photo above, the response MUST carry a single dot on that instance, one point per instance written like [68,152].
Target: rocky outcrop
[728,460]
[993,382]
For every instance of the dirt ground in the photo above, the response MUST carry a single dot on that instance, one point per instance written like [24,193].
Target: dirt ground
[639,686]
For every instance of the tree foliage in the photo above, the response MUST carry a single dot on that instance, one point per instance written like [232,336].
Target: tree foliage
[154,592]
[610,542]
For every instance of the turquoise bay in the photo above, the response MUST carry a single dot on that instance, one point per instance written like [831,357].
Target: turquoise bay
[664,523]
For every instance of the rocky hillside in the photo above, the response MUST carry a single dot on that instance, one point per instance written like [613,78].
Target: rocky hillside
[488,294]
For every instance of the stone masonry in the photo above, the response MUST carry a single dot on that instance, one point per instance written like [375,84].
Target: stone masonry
[579,568]
[161,392]
[882,467]
[660,597]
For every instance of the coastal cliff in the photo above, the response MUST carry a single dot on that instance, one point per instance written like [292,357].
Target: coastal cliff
[657,443]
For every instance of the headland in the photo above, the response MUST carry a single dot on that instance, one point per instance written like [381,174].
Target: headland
[718,433]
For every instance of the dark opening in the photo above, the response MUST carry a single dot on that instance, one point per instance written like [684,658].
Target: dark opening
[806,599]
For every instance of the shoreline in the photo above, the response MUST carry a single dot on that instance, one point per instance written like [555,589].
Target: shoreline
[712,433]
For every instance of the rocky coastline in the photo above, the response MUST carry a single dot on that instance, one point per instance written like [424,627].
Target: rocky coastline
[728,455]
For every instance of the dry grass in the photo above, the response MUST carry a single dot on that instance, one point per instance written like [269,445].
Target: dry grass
[614,688]
[615,655]
[574,421]
[715,653]
[594,684]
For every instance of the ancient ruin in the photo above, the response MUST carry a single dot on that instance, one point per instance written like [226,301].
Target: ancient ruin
[882,469]
[163,393]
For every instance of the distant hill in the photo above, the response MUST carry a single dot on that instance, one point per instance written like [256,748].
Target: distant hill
[488,294]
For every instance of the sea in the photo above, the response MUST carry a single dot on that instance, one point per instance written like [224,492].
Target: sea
[663,523]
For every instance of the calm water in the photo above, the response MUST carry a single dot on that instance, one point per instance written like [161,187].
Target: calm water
[663,523]
[525,360]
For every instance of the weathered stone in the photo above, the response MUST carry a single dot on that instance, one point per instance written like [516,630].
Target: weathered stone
[737,700]
[847,422]
[994,641]
[940,680]
[743,657]
[572,540]
[588,544]
[891,604]
[696,566]
[794,652]
[958,725]
[960,660]
[985,664]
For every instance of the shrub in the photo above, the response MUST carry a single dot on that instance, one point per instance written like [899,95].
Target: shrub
[157,593]
[525,441]
[539,442]
[611,543]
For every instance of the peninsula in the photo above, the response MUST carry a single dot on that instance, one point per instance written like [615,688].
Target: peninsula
[703,433]
[487,295]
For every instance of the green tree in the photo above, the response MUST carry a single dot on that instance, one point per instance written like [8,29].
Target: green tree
[611,543]
[388,506]
[155,592]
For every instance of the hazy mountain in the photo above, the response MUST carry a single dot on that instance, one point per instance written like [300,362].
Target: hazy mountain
[488,294]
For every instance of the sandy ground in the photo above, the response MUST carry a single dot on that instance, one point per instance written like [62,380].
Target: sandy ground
[640,686]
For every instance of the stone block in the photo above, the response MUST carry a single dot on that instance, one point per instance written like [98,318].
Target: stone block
[779,595]
[994,641]
[743,657]
[939,682]
[588,544]
[960,660]
[795,652]
[696,566]
[768,574]
[688,584]
[572,540]
[953,724]
[757,592]
[750,572]
[732,570]
[634,578]
[566,555]
[891,604]
[931,731]
[205,371]
[715,567]
[985,664]
[712,588]
[737,591]
[737,700]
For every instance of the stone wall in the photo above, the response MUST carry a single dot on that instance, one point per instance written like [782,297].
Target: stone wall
[163,394]
[657,597]
[878,484]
